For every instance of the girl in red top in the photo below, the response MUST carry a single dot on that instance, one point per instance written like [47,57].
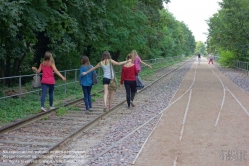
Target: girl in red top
[128,78]
[47,67]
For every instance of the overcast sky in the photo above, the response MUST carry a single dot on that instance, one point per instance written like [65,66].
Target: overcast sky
[194,13]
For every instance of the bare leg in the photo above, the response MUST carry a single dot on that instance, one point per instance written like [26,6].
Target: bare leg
[111,92]
[105,94]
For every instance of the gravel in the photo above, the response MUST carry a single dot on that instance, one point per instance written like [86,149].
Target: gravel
[238,76]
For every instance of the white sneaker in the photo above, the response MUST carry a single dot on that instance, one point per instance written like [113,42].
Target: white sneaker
[132,104]
[43,109]
[51,108]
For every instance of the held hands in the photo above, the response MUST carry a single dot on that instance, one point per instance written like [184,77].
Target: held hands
[83,73]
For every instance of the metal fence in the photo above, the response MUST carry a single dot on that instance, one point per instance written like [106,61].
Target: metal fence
[240,65]
[72,74]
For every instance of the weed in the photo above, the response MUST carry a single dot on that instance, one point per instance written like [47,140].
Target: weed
[61,111]
[44,118]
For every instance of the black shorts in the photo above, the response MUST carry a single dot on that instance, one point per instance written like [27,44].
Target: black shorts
[106,81]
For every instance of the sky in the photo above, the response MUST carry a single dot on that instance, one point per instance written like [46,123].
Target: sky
[194,13]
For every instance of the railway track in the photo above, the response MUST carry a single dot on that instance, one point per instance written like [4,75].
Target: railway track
[33,140]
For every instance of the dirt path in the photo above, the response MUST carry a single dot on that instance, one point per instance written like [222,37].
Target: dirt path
[207,124]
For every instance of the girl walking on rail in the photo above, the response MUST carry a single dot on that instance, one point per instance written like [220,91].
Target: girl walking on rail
[106,64]
[137,62]
[86,81]
[47,67]
[128,78]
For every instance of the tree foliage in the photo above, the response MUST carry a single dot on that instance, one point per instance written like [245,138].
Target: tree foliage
[200,48]
[72,28]
[229,28]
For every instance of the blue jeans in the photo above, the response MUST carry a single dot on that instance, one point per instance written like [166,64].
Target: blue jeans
[45,88]
[87,96]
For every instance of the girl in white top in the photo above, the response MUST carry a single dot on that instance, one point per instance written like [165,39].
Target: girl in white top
[105,63]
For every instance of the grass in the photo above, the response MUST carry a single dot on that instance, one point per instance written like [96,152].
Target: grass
[16,108]
[61,111]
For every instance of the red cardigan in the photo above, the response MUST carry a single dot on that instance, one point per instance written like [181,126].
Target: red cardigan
[128,73]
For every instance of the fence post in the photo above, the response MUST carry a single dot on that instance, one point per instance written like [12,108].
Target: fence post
[65,84]
[38,94]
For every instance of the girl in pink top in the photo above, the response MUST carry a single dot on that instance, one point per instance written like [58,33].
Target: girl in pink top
[138,61]
[47,67]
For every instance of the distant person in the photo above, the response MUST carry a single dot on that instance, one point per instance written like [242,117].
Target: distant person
[128,78]
[86,81]
[210,59]
[199,58]
[106,64]
[47,67]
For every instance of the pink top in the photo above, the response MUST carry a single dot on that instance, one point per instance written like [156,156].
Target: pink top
[47,74]
[137,63]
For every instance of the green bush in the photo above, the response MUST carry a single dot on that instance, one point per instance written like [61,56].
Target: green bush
[226,57]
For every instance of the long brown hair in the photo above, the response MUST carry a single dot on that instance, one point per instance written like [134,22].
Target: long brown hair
[48,58]
[129,56]
[106,56]
[85,61]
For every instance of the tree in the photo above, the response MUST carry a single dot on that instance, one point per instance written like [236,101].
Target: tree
[200,47]
[228,29]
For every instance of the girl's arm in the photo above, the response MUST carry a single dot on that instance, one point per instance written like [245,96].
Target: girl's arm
[37,70]
[145,64]
[120,63]
[93,68]
[57,72]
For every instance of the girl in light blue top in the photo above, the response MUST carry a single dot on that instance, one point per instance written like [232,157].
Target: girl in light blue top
[105,63]
[86,81]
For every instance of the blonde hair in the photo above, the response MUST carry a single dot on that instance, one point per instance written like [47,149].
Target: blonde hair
[48,57]
[134,54]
